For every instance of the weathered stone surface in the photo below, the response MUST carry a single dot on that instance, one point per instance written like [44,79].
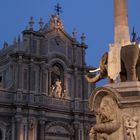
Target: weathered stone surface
[121,21]
[117,113]
[42,93]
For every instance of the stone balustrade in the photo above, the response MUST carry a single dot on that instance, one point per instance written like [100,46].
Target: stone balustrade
[37,100]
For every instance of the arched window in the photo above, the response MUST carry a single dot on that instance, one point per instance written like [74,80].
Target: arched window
[57,80]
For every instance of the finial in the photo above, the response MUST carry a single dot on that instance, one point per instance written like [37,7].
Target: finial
[31,23]
[134,36]
[58,9]
[83,37]
[41,23]
[74,33]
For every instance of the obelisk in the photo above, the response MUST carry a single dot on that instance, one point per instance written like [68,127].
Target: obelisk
[121,28]
[121,38]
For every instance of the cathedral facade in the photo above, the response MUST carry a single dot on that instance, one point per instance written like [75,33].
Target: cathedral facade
[43,91]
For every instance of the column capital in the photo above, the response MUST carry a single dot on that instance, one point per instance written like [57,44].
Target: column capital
[18,118]
[76,124]
[42,121]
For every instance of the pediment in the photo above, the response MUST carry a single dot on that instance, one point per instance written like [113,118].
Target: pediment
[59,36]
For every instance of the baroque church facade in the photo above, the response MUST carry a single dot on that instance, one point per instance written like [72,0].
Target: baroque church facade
[43,91]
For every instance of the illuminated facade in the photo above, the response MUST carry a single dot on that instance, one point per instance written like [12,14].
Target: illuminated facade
[43,91]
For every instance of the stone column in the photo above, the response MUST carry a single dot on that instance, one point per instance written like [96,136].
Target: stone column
[19,75]
[42,130]
[121,21]
[76,82]
[83,55]
[31,128]
[18,120]
[13,128]
[65,88]
[76,128]
[49,82]
[86,131]
[74,53]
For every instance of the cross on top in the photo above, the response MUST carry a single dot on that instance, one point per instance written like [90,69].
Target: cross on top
[58,9]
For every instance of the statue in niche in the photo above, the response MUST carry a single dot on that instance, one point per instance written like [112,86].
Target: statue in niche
[57,89]
[57,81]
[130,125]
[107,118]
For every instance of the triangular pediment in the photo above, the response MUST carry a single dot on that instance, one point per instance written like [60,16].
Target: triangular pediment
[55,28]
[59,35]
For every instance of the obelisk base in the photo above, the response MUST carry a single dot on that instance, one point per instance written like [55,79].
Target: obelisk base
[117,111]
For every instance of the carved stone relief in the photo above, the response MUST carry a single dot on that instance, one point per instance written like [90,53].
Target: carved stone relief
[107,117]
[8,134]
[59,130]
[5,131]
[130,127]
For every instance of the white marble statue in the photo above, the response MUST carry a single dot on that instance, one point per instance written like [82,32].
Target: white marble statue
[57,89]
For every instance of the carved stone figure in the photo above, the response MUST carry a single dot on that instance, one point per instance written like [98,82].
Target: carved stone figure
[57,89]
[107,118]
[92,134]
[130,125]
[130,63]
[31,123]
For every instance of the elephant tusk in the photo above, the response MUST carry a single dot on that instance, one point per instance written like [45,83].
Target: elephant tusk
[93,71]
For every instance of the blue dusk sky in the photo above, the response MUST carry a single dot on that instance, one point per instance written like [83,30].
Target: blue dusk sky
[93,17]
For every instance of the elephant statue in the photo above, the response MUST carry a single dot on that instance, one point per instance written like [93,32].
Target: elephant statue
[130,65]
[103,70]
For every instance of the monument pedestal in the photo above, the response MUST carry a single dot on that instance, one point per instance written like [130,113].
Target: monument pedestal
[117,111]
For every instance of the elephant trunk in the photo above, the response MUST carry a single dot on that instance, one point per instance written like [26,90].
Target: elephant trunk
[108,127]
[94,79]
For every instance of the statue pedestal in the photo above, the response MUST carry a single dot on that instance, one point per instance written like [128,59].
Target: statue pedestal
[117,111]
